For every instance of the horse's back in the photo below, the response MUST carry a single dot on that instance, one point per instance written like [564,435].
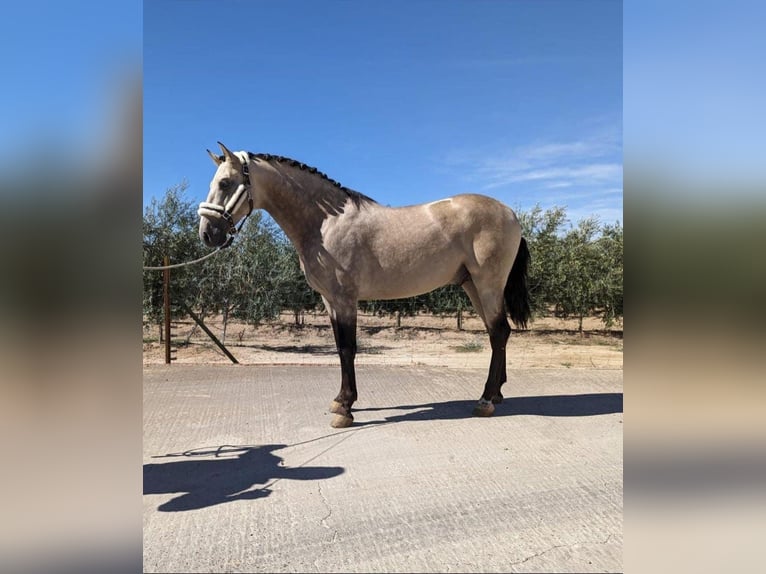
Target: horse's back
[468,210]
[404,251]
[489,229]
[480,222]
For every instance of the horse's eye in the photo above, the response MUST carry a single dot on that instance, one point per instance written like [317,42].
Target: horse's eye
[224,183]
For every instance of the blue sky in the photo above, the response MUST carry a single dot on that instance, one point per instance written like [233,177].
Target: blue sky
[406,101]
[694,96]
[64,64]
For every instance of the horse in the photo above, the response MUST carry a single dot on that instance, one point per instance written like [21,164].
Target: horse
[352,248]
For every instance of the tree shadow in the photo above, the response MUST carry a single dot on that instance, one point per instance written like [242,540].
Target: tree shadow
[327,349]
[229,475]
[321,349]
[585,405]
[585,335]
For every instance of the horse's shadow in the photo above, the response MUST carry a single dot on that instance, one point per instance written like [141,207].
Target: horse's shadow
[229,475]
[545,405]
[206,477]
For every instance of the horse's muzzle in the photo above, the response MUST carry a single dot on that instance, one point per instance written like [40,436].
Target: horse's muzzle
[212,235]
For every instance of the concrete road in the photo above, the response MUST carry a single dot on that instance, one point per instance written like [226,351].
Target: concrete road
[243,473]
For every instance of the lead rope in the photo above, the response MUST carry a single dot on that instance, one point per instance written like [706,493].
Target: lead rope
[229,241]
[162,267]
[218,211]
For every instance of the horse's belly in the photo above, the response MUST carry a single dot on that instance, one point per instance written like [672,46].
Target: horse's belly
[415,278]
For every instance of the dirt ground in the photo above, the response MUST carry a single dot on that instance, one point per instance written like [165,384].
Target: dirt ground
[422,339]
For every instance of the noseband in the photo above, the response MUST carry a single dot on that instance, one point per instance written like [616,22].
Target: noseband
[216,211]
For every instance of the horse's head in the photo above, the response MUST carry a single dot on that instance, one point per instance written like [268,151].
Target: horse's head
[229,199]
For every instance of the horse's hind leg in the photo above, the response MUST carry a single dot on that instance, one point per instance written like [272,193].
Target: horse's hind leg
[344,329]
[498,397]
[499,330]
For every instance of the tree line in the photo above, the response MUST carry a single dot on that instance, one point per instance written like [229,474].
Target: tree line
[575,270]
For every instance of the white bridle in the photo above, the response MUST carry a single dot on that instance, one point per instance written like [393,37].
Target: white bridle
[217,211]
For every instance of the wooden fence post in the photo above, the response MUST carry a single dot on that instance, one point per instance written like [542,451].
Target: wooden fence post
[166,305]
[209,333]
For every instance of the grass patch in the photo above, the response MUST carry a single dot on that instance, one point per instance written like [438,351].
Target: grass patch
[472,347]
[364,350]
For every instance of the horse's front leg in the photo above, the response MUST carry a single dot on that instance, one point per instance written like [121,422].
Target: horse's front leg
[344,329]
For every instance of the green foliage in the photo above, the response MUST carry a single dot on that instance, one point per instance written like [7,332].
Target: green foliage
[447,300]
[254,279]
[169,228]
[575,271]
[403,307]
[242,281]
[581,269]
[609,289]
[546,270]
[295,294]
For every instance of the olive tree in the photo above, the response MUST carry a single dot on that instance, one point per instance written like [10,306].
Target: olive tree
[169,229]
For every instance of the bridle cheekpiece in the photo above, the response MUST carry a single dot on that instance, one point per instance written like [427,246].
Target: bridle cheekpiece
[216,211]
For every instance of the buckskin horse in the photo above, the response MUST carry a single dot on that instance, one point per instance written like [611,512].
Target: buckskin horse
[351,248]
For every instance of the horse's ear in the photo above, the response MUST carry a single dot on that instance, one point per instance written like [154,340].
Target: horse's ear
[215,158]
[228,155]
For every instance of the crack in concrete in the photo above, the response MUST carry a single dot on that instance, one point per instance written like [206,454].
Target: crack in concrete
[323,520]
[528,558]
[579,543]
[323,524]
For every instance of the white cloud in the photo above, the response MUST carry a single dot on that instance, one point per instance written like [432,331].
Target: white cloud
[594,160]
[605,215]
[563,175]
[553,174]
[558,184]
[584,175]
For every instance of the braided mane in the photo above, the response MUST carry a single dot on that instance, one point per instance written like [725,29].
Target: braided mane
[354,195]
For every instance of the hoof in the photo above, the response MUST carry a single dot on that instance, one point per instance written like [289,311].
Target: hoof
[484,409]
[337,408]
[341,421]
[497,399]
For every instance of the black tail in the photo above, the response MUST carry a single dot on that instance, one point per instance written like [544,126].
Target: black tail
[516,291]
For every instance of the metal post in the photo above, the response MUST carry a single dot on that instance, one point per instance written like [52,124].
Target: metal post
[166,304]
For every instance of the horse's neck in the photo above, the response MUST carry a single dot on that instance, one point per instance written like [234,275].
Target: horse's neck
[295,205]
